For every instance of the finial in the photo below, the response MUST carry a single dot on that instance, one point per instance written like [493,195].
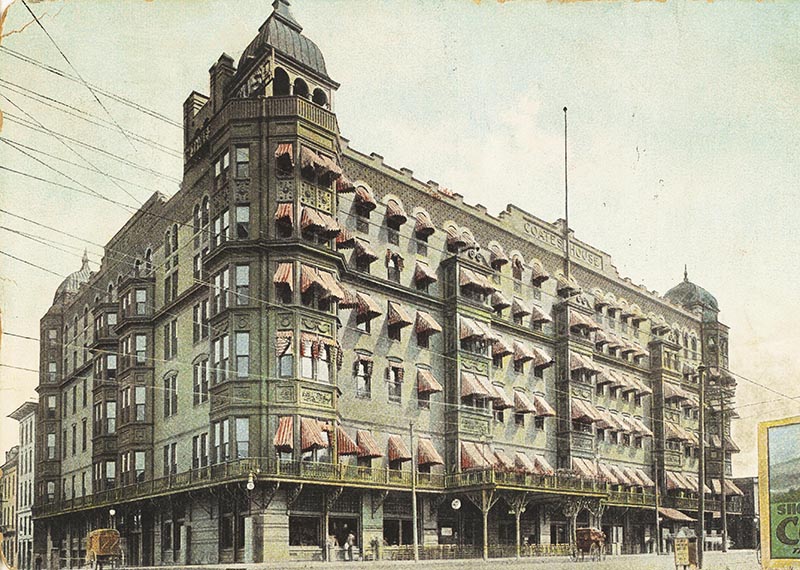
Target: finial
[281,9]
[85,259]
[685,272]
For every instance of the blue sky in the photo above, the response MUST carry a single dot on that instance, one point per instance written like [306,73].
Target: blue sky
[684,128]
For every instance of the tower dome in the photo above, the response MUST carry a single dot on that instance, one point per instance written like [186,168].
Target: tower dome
[283,33]
[691,296]
[74,280]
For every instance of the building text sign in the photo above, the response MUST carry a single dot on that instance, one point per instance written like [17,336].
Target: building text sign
[552,239]
[779,492]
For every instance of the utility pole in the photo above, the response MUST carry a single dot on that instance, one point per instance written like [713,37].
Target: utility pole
[658,514]
[723,505]
[701,470]
[414,523]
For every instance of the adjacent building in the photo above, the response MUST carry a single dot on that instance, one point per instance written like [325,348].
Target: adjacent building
[26,465]
[304,338]
[8,505]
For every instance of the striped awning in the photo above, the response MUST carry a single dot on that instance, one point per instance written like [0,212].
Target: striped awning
[497,257]
[311,436]
[543,409]
[500,348]
[605,377]
[309,277]
[468,278]
[284,435]
[583,411]
[730,487]
[499,301]
[538,273]
[693,481]
[395,212]
[543,466]
[367,307]
[344,185]
[310,220]
[350,299]
[633,477]
[520,307]
[522,404]
[330,286]
[600,338]
[522,461]
[285,150]
[564,284]
[426,324]
[469,328]
[641,428]
[284,213]
[584,467]
[502,461]
[501,399]
[454,238]
[539,316]
[283,340]
[675,515]
[397,316]
[364,251]
[644,478]
[580,362]
[522,352]
[424,226]
[367,446]
[578,320]
[398,450]
[332,227]
[607,421]
[345,240]
[327,166]
[424,274]
[427,454]
[284,275]
[472,386]
[675,481]
[675,432]
[365,199]
[606,474]
[344,443]
[542,359]
[426,382]
[471,457]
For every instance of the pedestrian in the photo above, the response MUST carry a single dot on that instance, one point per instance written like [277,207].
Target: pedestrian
[348,545]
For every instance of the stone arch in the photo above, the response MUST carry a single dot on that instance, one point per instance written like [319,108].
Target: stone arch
[300,88]
[280,84]
[320,97]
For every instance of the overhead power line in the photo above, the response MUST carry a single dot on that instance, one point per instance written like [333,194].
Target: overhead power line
[113,96]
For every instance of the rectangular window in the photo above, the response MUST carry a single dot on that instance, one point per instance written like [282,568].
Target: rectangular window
[111,417]
[243,222]
[84,396]
[51,445]
[539,422]
[242,437]
[221,441]
[139,465]
[139,403]
[170,395]
[74,398]
[52,372]
[140,342]
[51,407]
[197,267]
[242,281]
[363,373]
[83,434]
[196,323]
[141,301]
[242,162]
[111,366]
[242,354]
[221,353]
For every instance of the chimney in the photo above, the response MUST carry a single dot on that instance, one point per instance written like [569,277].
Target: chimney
[221,72]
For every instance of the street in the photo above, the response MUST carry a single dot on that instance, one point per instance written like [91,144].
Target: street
[733,560]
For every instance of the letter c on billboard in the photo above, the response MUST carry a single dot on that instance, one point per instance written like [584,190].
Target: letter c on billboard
[780,531]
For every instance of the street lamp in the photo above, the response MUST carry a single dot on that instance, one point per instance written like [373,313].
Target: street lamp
[251,481]
[111,514]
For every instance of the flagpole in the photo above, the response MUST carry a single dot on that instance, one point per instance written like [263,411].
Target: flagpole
[566,203]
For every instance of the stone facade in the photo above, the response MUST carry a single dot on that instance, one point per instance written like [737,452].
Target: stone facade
[305,343]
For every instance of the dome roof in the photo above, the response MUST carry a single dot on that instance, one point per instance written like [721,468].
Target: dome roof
[282,32]
[689,295]
[74,280]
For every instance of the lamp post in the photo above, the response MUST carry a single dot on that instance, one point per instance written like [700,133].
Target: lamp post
[111,514]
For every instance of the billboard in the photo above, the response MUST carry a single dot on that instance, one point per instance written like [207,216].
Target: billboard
[779,492]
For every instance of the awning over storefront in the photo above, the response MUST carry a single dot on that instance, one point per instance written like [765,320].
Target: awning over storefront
[367,446]
[284,435]
[344,443]
[426,383]
[311,436]
[423,274]
[645,478]
[522,461]
[427,454]
[397,316]
[426,324]
[584,467]
[675,515]
[730,487]
[424,227]
[395,212]
[471,457]
[503,461]
[543,466]
[398,450]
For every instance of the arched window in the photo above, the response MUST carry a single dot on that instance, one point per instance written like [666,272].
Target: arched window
[167,244]
[111,293]
[205,213]
[85,317]
[280,85]
[196,219]
[148,261]
[137,266]
[300,88]
[320,98]
[175,237]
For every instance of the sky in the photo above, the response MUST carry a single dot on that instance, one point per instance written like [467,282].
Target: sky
[684,125]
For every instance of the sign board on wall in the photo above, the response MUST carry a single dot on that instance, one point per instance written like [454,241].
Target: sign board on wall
[779,492]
